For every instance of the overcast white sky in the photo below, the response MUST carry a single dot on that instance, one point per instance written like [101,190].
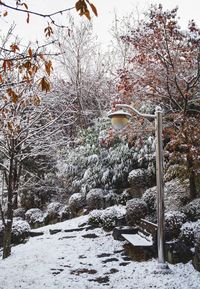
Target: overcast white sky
[187,10]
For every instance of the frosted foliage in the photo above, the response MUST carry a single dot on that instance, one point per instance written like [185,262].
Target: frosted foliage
[53,208]
[20,227]
[76,202]
[76,198]
[93,166]
[192,210]
[1,226]
[188,232]
[173,223]
[107,218]
[105,176]
[150,197]
[19,212]
[112,212]
[95,199]
[95,217]
[34,216]
[135,210]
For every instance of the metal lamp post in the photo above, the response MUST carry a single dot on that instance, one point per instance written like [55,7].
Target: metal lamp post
[159,172]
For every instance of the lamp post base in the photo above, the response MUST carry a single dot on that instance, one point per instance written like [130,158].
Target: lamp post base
[162,268]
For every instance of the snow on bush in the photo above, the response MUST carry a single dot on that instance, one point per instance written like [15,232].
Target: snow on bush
[20,231]
[95,199]
[176,194]
[135,210]
[188,232]
[141,178]
[192,210]
[52,213]
[111,199]
[20,226]
[110,215]
[150,198]
[77,202]
[124,197]
[65,213]
[53,209]
[35,217]
[173,223]
[94,217]
[107,218]
[92,165]
[19,212]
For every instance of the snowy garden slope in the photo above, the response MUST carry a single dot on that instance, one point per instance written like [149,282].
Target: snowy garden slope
[71,260]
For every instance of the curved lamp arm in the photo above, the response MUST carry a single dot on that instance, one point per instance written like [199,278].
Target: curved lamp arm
[136,111]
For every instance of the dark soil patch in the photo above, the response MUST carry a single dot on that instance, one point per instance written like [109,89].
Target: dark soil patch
[54,231]
[101,280]
[103,255]
[74,230]
[56,271]
[66,266]
[82,256]
[82,271]
[124,263]
[110,260]
[67,237]
[126,258]
[90,236]
[113,270]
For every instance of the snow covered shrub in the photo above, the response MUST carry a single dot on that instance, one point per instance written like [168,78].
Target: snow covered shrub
[135,210]
[19,212]
[175,171]
[124,197]
[188,232]
[107,218]
[110,199]
[41,192]
[141,179]
[173,223]
[77,202]
[94,218]
[35,217]
[192,210]
[150,198]
[20,230]
[65,213]
[176,194]
[95,199]
[52,213]
[90,165]
[35,198]
[110,215]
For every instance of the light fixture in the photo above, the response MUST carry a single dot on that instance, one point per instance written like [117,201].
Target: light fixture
[119,119]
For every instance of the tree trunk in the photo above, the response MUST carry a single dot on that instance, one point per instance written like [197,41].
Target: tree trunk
[192,183]
[7,239]
[8,223]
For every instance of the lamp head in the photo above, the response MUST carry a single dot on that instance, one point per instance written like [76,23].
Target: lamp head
[119,119]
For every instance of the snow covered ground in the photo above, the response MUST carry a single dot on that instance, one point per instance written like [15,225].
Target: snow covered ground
[70,260]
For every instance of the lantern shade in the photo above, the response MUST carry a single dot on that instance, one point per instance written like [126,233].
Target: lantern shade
[119,119]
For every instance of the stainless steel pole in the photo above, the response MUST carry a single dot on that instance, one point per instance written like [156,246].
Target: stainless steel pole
[160,186]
